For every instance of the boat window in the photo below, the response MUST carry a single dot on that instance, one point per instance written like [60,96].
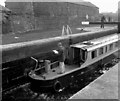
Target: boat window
[111,46]
[116,44]
[106,49]
[101,51]
[94,54]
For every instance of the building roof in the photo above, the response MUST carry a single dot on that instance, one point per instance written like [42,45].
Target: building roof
[86,4]
[80,2]
[18,6]
[44,0]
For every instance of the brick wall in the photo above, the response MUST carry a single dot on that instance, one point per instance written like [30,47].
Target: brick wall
[48,15]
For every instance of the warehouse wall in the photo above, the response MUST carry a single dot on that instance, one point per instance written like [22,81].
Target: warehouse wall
[63,13]
[48,15]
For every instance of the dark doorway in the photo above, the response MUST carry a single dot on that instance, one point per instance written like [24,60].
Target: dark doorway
[76,55]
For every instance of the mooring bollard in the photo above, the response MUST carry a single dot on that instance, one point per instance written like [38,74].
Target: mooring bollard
[47,66]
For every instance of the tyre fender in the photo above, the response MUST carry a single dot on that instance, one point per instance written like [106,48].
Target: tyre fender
[58,86]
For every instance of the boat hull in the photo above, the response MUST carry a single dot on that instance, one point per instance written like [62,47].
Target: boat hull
[63,81]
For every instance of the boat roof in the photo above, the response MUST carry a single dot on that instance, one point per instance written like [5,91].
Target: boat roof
[96,43]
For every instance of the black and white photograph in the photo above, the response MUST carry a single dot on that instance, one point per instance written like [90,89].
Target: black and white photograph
[59,50]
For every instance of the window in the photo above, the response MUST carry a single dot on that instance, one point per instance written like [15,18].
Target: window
[116,44]
[101,51]
[106,49]
[94,54]
[111,46]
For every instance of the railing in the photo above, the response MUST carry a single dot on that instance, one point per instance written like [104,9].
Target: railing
[43,67]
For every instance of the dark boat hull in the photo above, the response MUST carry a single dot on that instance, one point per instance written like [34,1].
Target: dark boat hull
[70,79]
[61,82]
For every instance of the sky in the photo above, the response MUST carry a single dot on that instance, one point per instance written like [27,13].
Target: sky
[106,5]
[103,5]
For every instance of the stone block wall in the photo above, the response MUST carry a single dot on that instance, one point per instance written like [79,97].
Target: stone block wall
[48,15]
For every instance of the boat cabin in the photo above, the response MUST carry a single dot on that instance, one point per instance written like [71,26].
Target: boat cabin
[94,50]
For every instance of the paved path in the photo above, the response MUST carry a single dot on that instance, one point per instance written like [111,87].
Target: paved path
[92,29]
[35,35]
[105,87]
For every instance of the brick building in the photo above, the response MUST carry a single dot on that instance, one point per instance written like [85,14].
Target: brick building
[50,15]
